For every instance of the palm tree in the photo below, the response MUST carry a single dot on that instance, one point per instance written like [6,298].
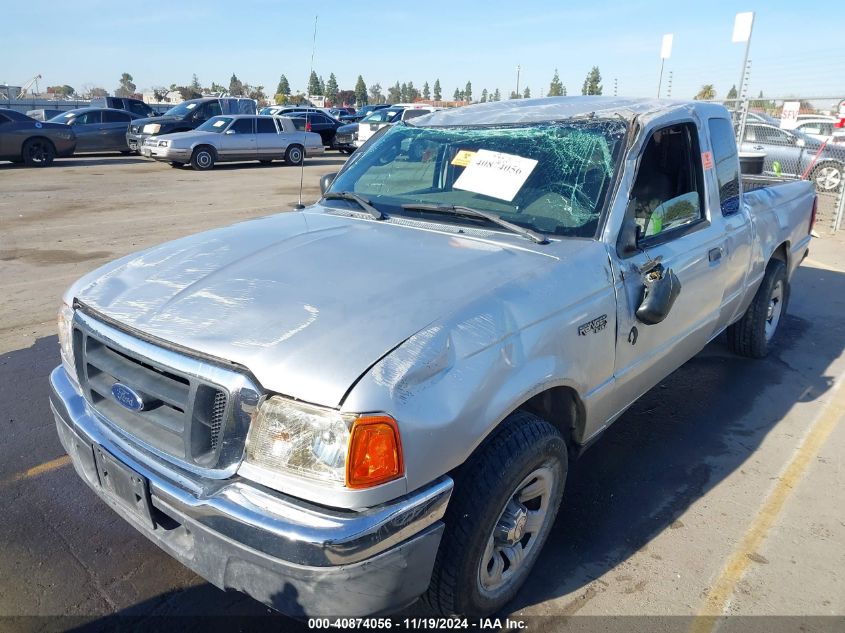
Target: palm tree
[706,93]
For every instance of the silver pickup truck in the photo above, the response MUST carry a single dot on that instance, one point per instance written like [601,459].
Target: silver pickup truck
[375,399]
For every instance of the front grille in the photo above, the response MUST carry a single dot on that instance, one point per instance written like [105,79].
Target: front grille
[190,407]
[344,138]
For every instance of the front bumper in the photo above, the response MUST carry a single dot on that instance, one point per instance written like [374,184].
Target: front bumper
[167,154]
[299,558]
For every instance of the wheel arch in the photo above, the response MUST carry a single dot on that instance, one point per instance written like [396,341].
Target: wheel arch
[37,137]
[205,145]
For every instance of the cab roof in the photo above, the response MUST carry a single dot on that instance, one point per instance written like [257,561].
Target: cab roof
[553,109]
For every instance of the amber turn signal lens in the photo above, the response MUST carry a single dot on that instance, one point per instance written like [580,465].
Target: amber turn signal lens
[375,452]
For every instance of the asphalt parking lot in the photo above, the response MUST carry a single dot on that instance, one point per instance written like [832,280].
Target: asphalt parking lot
[721,491]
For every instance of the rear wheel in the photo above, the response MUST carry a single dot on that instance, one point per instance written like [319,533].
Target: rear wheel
[294,155]
[828,177]
[202,159]
[752,335]
[38,152]
[505,501]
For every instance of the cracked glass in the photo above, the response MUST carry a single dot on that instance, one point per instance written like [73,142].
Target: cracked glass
[562,194]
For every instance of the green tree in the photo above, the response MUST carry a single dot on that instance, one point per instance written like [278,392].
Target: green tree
[437,94]
[322,86]
[217,88]
[468,91]
[413,93]
[97,91]
[360,91]
[314,84]
[332,88]
[126,88]
[195,84]
[457,95]
[403,92]
[526,93]
[484,96]
[732,93]
[426,92]
[515,95]
[706,93]
[556,88]
[592,83]
[65,90]
[394,93]
[236,88]
[284,87]
[497,96]
[376,95]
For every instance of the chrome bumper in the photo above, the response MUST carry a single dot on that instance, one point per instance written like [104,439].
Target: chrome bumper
[297,557]
[167,154]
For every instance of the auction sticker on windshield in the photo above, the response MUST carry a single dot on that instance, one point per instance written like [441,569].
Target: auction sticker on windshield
[495,174]
[463,158]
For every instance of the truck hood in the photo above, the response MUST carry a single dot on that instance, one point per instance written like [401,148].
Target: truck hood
[309,301]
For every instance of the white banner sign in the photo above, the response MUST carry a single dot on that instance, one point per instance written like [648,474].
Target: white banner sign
[789,116]
[666,48]
[742,26]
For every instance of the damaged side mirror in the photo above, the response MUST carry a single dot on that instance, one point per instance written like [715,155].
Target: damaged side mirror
[660,290]
[629,237]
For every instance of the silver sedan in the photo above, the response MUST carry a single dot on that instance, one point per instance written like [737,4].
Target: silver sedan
[239,137]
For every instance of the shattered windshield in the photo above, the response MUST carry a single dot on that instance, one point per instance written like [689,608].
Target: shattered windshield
[552,177]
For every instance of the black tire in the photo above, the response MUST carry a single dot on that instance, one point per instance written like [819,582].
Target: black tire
[485,488]
[294,155]
[38,152]
[753,334]
[176,165]
[203,158]
[828,177]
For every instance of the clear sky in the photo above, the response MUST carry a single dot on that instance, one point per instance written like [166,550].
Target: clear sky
[797,48]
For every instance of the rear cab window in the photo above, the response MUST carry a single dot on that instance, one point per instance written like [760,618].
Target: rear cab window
[725,163]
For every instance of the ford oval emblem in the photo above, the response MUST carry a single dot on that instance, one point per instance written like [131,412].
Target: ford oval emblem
[127,397]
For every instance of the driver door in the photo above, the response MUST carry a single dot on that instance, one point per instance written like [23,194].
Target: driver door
[668,202]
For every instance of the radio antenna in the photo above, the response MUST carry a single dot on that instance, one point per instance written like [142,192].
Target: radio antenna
[307,112]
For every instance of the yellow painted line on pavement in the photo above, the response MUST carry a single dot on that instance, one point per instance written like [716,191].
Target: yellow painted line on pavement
[722,590]
[35,471]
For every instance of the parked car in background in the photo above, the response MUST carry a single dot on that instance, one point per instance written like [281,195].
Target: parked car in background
[821,129]
[285,110]
[322,124]
[345,137]
[98,129]
[235,137]
[376,120]
[186,116]
[135,106]
[795,153]
[362,112]
[35,143]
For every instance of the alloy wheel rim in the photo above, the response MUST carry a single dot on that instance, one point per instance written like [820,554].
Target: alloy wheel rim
[295,155]
[829,178]
[517,531]
[774,310]
[204,159]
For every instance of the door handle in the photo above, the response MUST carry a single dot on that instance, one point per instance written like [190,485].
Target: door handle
[715,254]
[759,147]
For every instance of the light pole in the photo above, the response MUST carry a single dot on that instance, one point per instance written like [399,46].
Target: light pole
[743,25]
[518,68]
[665,53]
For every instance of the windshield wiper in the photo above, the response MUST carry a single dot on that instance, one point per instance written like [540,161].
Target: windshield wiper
[456,209]
[359,200]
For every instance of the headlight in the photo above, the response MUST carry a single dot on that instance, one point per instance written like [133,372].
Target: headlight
[164,143]
[65,327]
[292,438]
[152,128]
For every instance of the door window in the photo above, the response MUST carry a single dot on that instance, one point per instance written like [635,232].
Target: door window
[266,126]
[668,190]
[726,163]
[87,118]
[116,117]
[242,126]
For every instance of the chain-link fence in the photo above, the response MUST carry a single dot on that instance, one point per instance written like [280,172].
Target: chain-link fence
[796,138]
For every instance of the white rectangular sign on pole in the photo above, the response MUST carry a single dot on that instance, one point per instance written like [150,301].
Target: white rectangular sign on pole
[742,26]
[666,48]
[789,115]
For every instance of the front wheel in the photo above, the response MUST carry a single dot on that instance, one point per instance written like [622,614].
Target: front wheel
[828,177]
[38,152]
[294,155]
[202,159]
[752,335]
[505,502]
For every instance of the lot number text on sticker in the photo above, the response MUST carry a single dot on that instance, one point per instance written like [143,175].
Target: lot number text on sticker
[495,174]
